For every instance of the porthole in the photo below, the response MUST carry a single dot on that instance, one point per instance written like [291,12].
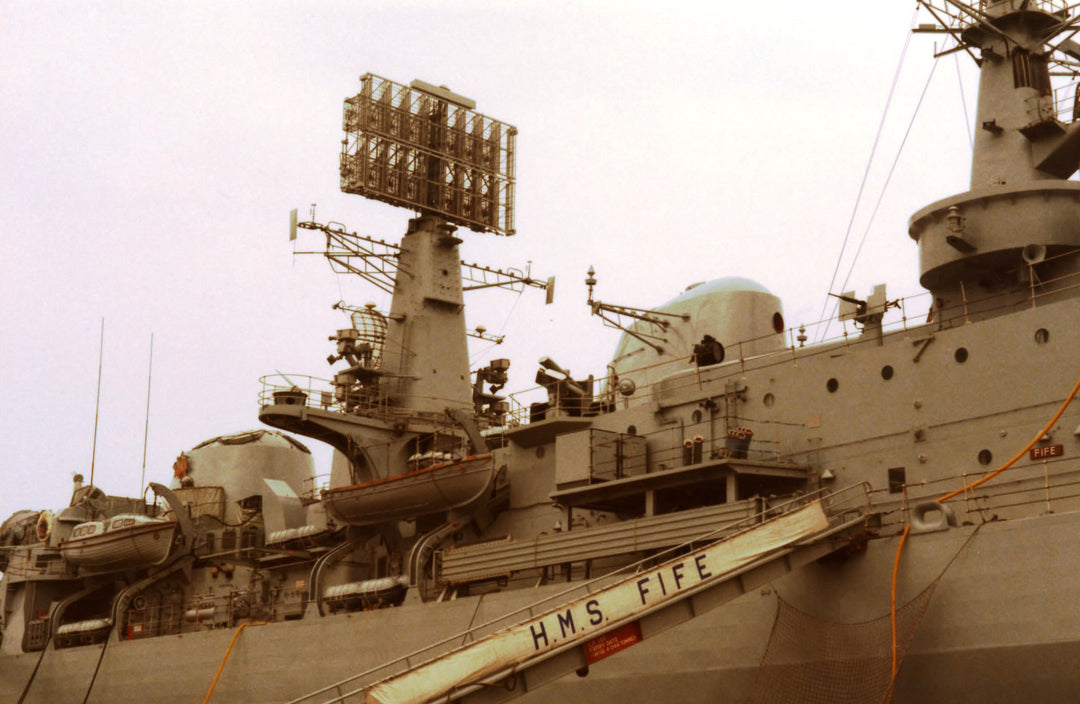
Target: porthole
[1042,336]
[886,372]
[778,322]
[832,385]
[960,355]
[985,457]
[631,430]
[695,417]
[769,400]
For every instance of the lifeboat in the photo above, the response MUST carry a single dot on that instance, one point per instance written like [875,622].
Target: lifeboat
[439,487]
[120,542]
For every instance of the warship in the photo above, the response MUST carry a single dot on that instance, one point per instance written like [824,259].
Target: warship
[730,511]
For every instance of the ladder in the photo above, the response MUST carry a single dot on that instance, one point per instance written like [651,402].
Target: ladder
[569,631]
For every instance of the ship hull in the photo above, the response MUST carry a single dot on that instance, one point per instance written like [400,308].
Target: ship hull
[999,627]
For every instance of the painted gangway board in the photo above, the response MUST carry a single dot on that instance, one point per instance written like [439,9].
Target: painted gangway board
[566,638]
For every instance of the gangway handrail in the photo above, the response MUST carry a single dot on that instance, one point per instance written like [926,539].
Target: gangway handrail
[847,523]
[841,507]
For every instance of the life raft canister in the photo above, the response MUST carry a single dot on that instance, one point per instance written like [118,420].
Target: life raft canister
[44,525]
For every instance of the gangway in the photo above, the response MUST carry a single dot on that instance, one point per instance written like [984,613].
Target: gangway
[566,632]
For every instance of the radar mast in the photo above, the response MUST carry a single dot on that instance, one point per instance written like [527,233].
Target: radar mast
[975,256]
[406,398]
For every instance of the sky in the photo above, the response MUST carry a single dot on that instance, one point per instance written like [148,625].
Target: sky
[152,152]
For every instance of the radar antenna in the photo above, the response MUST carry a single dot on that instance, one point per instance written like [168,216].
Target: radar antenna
[350,253]
[424,147]
[376,261]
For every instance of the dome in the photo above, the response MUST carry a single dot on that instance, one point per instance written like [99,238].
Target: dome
[739,313]
[239,463]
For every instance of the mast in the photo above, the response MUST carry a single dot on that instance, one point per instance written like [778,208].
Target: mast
[426,148]
[982,251]
[1020,138]
[146,424]
[97,401]
[406,397]
[426,357]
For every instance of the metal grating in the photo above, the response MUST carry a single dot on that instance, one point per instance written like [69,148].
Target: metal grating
[421,150]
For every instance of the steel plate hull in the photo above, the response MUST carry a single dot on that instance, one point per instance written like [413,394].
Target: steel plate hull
[984,637]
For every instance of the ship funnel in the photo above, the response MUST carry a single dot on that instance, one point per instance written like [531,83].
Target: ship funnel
[1033,253]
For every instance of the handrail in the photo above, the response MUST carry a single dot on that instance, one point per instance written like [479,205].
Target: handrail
[953,494]
[839,506]
[942,318]
[319,393]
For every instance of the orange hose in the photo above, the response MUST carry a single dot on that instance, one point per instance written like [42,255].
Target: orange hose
[892,597]
[1018,455]
[227,651]
[953,494]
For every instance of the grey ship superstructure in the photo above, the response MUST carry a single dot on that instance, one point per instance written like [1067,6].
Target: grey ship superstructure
[725,513]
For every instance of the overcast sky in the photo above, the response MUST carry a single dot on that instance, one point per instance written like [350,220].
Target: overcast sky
[152,151]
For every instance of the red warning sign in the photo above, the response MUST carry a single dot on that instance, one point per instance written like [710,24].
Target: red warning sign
[610,643]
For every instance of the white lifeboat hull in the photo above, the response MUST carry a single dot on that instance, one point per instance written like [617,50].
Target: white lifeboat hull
[437,488]
[121,542]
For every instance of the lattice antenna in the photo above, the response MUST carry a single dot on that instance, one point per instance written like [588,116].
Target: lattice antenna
[424,147]
[348,252]
[614,315]
[365,340]
[376,261]
[480,277]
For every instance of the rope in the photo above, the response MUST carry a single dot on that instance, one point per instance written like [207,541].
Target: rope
[26,689]
[963,100]
[952,494]
[885,185]
[97,668]
[870,161]
[227,652]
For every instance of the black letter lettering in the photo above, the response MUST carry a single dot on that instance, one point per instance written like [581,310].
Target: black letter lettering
[641,588]
[568,621]
[676,571]
[596,617]
[537,636]
[702,571]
